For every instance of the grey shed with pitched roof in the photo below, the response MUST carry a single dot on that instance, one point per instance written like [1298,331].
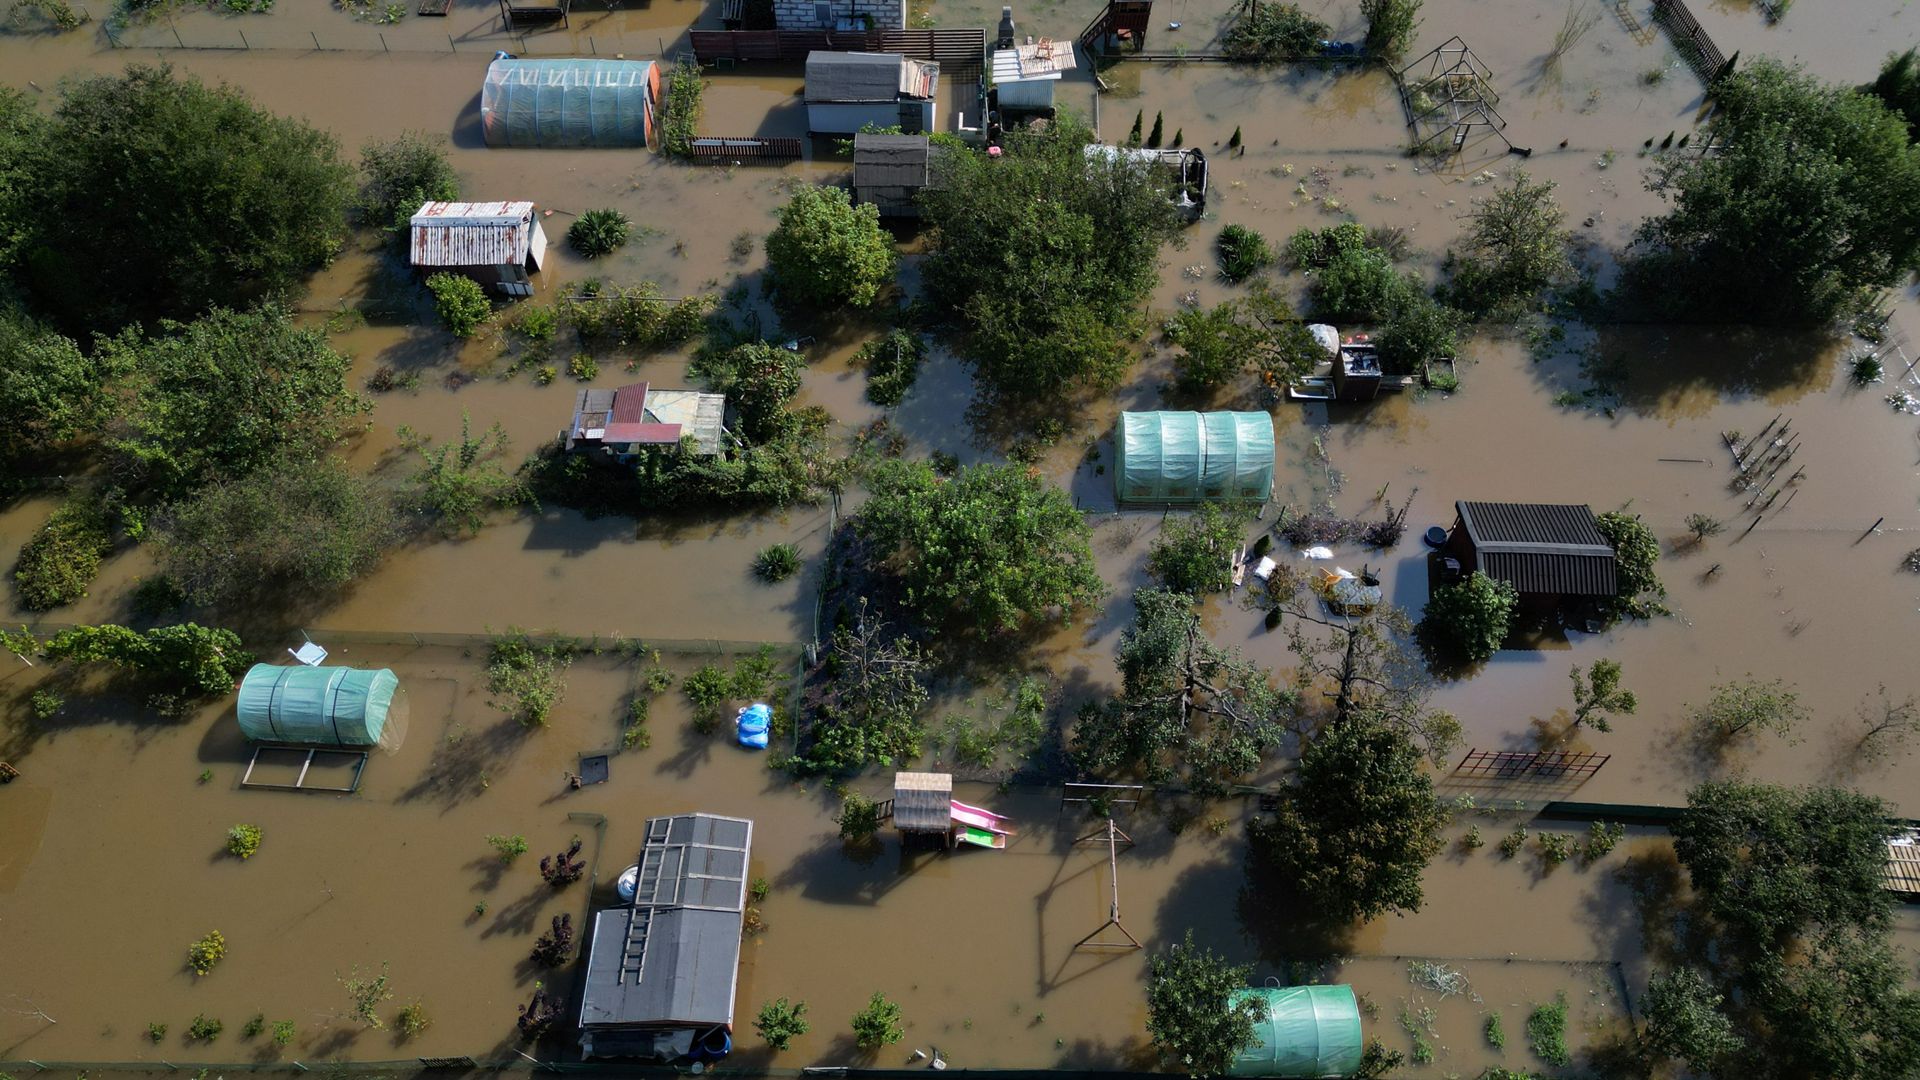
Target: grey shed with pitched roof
[890,170]
[661,971]
[849,91]
[1541,549]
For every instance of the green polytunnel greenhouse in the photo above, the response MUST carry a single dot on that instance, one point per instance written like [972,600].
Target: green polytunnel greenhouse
[1304,1031]
[316,706]
[569,102]
[1193,457]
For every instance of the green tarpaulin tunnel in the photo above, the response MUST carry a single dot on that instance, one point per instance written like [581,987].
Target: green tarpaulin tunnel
[1193,457]
[316,706]
[1305,1031]
[569,102]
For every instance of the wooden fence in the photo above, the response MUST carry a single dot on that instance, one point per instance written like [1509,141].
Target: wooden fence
[1690,38]
[722,149]
[958,51]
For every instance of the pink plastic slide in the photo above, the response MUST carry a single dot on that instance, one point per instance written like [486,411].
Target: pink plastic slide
[977,817]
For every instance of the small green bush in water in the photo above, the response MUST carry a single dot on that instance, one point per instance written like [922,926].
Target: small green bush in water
[1547,1032]
[598,232]
[59,562]
[204,954]
[243,840]
[776,563]
[460,301]
[508,848]
[780,1021]
[859,816]
[878,1024]
[1243,253]
[204,1028]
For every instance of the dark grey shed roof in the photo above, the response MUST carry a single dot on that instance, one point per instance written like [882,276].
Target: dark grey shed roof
[841,76]
[670,959]
[1541,547]
[890,160]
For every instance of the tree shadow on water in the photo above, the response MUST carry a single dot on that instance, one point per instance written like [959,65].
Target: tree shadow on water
[1684,371]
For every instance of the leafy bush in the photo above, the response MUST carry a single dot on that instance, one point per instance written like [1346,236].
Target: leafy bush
[708,688]
[460,483]
[1602,837]
[583,367]
[858,817]
[1194,554]
[184,660]
[1276,31]
[1750,705]
[460,302]
[1555,847]
[1547,1033]
[1496,1032]
[508,848]
[1516,246]
[878,1024]
[992,549]
[868,708]
[527,679]
[781,1021]
[52,391]
[283,1032]
[255,1024]
[759,380]
[1417,330]
[828,253]
[397,175]
[598,232]
[203,955]
[366,993]
[892,364]
[243,840]
[156,1031]
[680,118]
[635,316]
[1243,253]
[1635,551]
[1191,1013]
[536,322]
[63,556]
[1898,85]
[1391,25]
[204,1028]
[1310,249]
[777,562]
[412,1019]
[1511,843]
[1215,345]
[1359,285]
[1469,619]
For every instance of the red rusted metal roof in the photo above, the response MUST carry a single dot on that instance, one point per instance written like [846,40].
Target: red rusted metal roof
[629,405]
[472,234]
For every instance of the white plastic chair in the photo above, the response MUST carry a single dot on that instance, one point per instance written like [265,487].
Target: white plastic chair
[310,654]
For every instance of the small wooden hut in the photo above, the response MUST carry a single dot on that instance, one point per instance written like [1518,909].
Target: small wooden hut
[923,804]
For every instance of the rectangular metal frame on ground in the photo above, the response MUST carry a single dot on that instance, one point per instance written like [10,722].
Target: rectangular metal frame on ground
[358,758]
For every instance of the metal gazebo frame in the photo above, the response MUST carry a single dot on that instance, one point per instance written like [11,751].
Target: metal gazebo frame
[1460,100]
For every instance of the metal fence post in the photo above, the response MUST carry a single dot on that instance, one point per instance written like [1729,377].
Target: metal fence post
[176,35]
[316,40]
[244,43]
[451,45]
[383,42]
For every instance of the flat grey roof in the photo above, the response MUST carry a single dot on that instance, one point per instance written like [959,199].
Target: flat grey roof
[671,958]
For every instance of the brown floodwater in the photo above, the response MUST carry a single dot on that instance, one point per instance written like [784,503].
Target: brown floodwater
[110,849]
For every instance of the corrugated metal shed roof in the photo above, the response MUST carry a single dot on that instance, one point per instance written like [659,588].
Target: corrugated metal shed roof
[1541,547]
[890,160]
[857,77]
[1033,63]
[922,800]
[672,957]
[471,234]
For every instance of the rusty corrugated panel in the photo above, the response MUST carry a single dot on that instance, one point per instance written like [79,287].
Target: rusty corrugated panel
[471,234]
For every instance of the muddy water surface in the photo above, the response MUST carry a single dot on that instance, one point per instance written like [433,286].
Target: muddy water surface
[977,946]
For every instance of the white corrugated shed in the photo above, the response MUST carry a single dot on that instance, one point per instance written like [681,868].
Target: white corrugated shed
[1042,62]
[476,234]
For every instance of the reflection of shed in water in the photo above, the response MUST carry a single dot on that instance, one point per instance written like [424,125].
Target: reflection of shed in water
[662,970]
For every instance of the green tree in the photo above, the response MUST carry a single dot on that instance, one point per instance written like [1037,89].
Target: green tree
[1359,285]
[1685,1021]
[827,252]
[50,391]
[1218,344]
[1391,25]
[185,660]
[1469,619]
[525,677]
[1638,591]
[460,483]
[1194,553]
[1044,258]
[1898,85]
[993,548]
[878,1024]
[253,201]
[1516,246]
[1243,253]
[1418,330]
[1266,33]
[781,1021]
[460,302]
[23,143]
[312,527]
[1355,833]
[59,561]
[1597,696]
[224,395]
[1196,1021]
[397,175]
[1811,198]
[1750,705]
[870,706]
[759,380]
[1186,707]
[1367,665]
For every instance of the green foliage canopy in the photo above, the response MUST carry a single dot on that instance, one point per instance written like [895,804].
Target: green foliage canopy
[1191,1014]
[185,659]
[827,252]
[1469,619]
[397,175]
[1515,246]
[993,548]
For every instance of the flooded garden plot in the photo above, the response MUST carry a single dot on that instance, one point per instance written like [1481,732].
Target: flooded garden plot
[111,844]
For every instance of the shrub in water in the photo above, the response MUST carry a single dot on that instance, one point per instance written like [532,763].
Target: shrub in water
[460,301]
[202,955]
[1243,253]
[243,840]
[598,232]
[776,563]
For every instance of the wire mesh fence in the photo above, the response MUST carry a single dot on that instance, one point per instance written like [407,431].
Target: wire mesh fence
[365,38]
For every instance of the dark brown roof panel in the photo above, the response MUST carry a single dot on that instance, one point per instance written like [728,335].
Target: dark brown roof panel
[1541,547]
